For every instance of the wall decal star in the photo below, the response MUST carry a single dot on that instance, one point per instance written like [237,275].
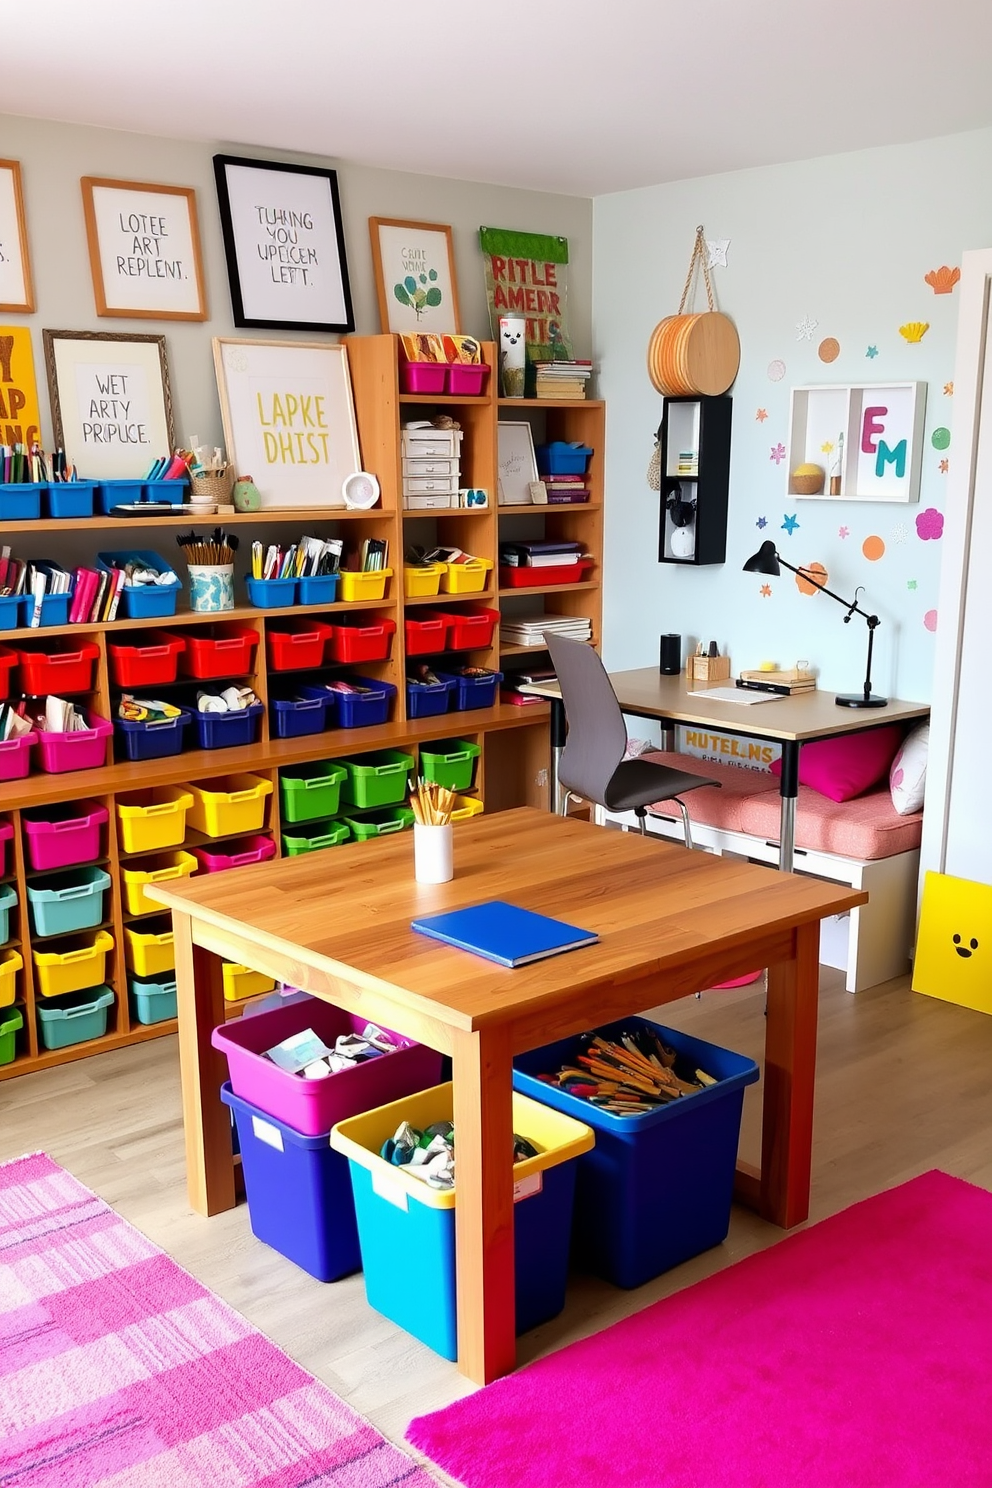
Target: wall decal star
[948,390]
[717,248]
[766,590]
[910,583]
[790,524]
[944,466]
[805,328]
[777,453]
[843,531]
[761,415]
[871,353]
[761,523]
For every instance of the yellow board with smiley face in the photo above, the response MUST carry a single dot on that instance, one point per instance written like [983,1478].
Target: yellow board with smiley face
[954,945]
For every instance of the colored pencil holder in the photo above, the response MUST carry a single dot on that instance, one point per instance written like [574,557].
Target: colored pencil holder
[433,861]
[211,587]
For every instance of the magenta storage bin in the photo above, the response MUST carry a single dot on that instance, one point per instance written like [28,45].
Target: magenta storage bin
[239,854]
[85,750]
[6,832]
[314,1106]
[467,379]
[15,756]
[423,377]
[63,836]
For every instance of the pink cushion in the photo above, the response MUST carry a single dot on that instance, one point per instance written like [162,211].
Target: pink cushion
[713,808]
[866,828]
[848,765]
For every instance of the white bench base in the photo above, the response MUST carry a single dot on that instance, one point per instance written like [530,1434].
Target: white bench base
[870,944]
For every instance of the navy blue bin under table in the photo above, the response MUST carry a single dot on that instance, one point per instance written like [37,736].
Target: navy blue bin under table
[64,499]
[471,692]
[143,740]
[20,501]
[222,730]
[303,714]
[656,1189]
[299,1192]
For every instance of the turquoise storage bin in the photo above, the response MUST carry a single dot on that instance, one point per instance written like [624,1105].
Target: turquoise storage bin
[153,1000]
[75,1017]
[8,901]
[68,901]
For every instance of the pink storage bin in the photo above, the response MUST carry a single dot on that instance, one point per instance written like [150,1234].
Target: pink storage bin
[64,836]
[422,377]
[312,1107]
[85,750]
[15,756]
[468,379]
[6,832]
[238,854]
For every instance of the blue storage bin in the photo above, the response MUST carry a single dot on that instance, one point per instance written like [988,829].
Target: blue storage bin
[173,491]
[271,594]
[143,601]
[471,692]
[559,458]
[68,901]
[360,709]
[299,1193]
[10,607]
[319,589]
[70,498]
[222,730]
[111,493]
[656,1189]
[54,607]
[74,1017]
[152,1001]
[142,741]
[427,699]
[8,901]
[311,714]
[20,501]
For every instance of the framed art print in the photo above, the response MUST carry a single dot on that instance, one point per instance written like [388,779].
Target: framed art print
[285,245]
[144,244]
[111,401]
[516,463]
[16,291]
[415,284]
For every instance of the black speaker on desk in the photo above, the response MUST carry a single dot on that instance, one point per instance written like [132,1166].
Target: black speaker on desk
[670,663]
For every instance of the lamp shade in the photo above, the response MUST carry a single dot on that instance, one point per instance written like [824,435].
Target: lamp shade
[764,561]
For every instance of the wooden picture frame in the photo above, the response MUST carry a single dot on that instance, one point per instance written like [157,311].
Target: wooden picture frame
[144,245]
[516,463]
[16,287]
[414,259]
[284,242]
[111,401]
[289,418]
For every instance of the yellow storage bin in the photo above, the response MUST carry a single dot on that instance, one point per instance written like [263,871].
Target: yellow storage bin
[160,870]
[241,982]
[10,964]
[72,971]
[153,819]
[148,954]
[425,579]
[370,585]
[470,577]
[464,807]
[233,804]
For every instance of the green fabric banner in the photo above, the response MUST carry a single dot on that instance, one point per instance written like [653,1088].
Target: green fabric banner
[527,276]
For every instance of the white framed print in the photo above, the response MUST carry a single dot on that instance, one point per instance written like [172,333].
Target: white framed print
[144,244]
[414,266]
[16,290]
[111,401]
[516,463]
[284,243]
[289,418]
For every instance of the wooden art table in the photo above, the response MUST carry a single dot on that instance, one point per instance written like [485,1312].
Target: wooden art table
[671,922]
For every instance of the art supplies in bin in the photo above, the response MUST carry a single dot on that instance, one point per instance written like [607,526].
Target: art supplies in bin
[43,588]
[305,1054]
[210,561]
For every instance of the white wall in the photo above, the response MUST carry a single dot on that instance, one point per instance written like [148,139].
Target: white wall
[846,241]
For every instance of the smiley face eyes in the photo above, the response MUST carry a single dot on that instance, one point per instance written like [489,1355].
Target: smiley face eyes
[964,950]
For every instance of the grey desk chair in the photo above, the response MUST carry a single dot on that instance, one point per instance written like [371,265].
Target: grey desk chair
[592,764]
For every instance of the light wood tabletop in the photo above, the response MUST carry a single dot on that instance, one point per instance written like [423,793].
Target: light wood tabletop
[670,922]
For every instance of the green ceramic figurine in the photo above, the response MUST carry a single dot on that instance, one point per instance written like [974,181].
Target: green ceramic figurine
[246,496]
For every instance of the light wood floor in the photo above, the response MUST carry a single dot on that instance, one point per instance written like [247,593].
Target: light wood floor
[905,1084]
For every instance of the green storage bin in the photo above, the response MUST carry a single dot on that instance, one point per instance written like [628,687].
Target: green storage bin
[318,835]
[376,779]
[309,792]
[11,1022]
[75,1017]
[153,1000]
[450,762]
[8,900]
[380,823]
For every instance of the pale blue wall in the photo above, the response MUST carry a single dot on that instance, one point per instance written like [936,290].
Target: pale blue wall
[845,240]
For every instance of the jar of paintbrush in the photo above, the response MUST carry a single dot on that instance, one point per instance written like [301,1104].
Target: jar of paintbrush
[210,561]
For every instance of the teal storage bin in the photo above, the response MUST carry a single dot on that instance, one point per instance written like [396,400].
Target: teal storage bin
[11,1023]
[152,1000]
[376,779]
[8,901]
[68,901]
[75,1017]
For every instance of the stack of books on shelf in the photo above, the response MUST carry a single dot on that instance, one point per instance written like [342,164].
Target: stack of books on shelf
[528,630]
[565,490]
[562,379]
[540,554]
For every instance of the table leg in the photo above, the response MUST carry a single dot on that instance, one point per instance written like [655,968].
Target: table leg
[788,791]
[484,1207]
[207,1121]
[557,728]
[789,1077]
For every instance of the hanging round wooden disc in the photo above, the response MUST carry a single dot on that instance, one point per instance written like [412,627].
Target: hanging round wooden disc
[694,353]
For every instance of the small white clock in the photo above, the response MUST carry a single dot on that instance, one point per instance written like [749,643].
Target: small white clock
[360,491]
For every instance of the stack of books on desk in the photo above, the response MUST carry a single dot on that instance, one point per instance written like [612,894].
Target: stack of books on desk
[523,630]
[562,379]
[540,554]
[783,683]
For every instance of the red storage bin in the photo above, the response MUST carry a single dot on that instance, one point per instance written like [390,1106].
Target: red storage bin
[428,632]
[216,651]
[540,578]
[58,670]
[143,662]
[237,854]
[8,660]
[295,648]
[468,629]
[361,641]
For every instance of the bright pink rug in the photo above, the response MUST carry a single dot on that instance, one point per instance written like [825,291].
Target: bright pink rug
[855,1354]
[117,1368]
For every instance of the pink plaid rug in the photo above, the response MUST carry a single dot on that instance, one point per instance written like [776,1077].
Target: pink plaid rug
[117,1368]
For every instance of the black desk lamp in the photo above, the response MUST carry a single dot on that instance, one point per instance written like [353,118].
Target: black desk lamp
[767,560]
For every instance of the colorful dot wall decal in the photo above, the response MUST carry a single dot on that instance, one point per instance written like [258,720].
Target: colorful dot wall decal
[940,438]
[811,571]
[930,620]
[828,349]
[873,548]
[929,524]
[776,370]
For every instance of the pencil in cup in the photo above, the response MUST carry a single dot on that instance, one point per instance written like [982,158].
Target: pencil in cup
[431,804]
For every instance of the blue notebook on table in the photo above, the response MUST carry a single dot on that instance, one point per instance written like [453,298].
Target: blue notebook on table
[501,932]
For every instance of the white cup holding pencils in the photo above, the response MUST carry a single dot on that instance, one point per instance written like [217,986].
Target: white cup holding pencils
[433,858]
[211,587]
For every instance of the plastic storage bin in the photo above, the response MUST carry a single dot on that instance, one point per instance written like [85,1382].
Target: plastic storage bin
[15,756]
[376,779]
[426,633]
[64,499]
[298,1191]
[166,869]
[54,607]
[68,901]
[560,458]
[318,835]
[313,1106]
[75,1019]
[271,594]
[84,750]
[152,1001]
[6,833]
[470,630]
[470,577]
[372,585]
[216,650]
[318,589]
[466,806]
[145,662]
[241,982]
[543,578]
[369,640]
[239,854]
[158,740]
[20,501]
[143,601]
[10,611]
[11,962]
[399,1216]
[472,692]
[427,699]
[360,709]
[297,647]
[222,730]
[467,379]
[59,669]
[111,493]
[229,805]
[150,951]
[8,901]
[658,1188]
[8,661]
[152,819]
[74,968]
[382,823]
[423,377]
[422,579]
[308,792]
[172,491]
[296,715]
[11,1024]
[63,836]
[450,762]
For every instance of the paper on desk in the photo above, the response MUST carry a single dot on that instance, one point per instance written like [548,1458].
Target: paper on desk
[742,695]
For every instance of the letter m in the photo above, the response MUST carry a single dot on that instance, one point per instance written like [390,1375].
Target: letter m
[886,456]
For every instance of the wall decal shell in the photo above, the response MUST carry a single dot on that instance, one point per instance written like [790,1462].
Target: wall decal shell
[914,330]
[942,280]
[812,571]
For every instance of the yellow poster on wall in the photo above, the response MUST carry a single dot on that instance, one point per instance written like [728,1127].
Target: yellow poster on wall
[20,416]
[954,946]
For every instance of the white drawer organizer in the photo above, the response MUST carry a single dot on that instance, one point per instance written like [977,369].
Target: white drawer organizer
[431,467]
[870,944]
